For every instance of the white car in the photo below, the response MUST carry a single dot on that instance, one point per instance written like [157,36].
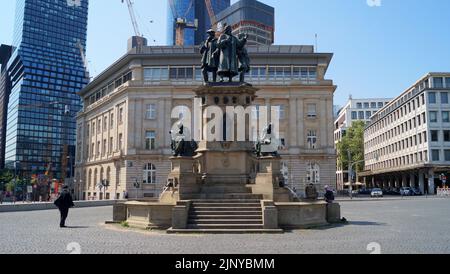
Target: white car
[376,192]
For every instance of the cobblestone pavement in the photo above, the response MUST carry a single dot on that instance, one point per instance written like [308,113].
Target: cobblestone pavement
[398,226]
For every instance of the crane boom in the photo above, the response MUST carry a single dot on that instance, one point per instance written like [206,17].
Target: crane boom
[212,14]
[133,17]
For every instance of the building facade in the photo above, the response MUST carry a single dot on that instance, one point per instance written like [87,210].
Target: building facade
[354,110]
[5,89]
[252,17]
[123,130]
[191,10]
[407,143]
[46,71]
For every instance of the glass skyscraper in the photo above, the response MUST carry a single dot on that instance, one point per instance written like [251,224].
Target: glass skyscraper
[46,71]
[191,10]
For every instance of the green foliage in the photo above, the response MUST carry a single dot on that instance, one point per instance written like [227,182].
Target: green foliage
[353,141]
[6,177]
[125,224]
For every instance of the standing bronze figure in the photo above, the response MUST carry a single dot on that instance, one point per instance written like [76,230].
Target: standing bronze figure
[210,57]
[229,47]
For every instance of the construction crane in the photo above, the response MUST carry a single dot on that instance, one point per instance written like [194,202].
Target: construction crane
[182,23]
[212,14]
[133,17]
[83,57]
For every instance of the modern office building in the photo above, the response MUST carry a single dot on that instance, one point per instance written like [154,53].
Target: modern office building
[253,18]
[46,71]
[407,143]
[192,10]
[354,110]
[5,89]
[123,130]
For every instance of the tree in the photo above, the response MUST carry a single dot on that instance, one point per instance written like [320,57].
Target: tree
[6,177]
[353,142]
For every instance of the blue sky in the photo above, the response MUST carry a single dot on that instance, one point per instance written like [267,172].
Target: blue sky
[379,51]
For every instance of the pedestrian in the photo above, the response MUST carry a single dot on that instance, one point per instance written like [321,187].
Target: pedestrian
[329,195]
[64,203]
[1,197]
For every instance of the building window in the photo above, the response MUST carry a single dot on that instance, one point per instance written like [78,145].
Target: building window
[149,174]
[444,97]
[435,155]
[93,128]
[312,139]
[120,144]
[104,147]
[313,173]
[434,136]
[380,105]
[445,117]
[121,116]
[433,117]
[312,111]
[368,115]
[111,121]
[150,140]
[438,82]
[447,82]
[432,97]
[373,105]
[111,144]
[354,115]
[281,110]
[361,115]
[99,126]
[447,155]
[150,113]
[366,105]
[98,148]
[105,123]
[156,74]
[359,105]
[446,135]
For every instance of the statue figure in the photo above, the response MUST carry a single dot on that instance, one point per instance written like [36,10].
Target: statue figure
[181,147]
[210,56]
[311,192]
[229,46]
[243,57]
[268,144]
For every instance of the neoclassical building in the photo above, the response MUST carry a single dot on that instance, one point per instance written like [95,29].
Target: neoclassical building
[123,130]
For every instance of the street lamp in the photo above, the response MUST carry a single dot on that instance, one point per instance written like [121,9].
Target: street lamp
[137,185]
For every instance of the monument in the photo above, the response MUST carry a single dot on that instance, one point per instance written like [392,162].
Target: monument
[218,184]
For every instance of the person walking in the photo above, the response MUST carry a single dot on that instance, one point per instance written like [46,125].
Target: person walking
[64,203]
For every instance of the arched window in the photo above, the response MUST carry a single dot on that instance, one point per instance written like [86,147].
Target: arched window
[102,174]
[313,173]
[149,174]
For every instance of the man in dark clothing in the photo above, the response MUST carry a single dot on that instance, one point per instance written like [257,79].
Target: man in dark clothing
[329,195]
[64,202]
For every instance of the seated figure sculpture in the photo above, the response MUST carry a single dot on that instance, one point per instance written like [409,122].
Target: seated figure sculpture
[181,147]
[268,143]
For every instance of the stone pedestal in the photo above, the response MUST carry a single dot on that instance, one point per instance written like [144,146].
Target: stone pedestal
[185,177]
[268,179]
[333,213]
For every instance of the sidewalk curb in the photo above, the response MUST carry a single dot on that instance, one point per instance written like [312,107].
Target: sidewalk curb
[50,206]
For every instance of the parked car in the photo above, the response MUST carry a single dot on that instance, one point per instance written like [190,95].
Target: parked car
[406,191]
[365,191]
[376,192]
[416,192]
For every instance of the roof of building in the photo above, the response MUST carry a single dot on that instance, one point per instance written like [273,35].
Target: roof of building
[193,53]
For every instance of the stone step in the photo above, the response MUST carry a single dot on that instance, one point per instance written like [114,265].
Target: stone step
[242,208]
[225,222]
[226,189]
[227,201]
[226,196]
[225,231]
[214,205]
[225,217]
[224,212]
[225,226]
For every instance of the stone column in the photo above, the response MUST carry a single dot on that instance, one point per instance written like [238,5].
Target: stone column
[412,180]
[404,180]
[293,138]
[431,187]
[421,182]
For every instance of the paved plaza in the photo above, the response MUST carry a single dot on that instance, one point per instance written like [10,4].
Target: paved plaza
[411,225]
